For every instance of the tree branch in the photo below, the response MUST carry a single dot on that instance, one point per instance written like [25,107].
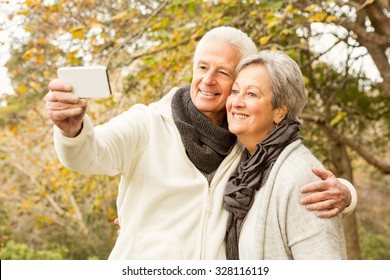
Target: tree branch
[132,35]
[380,163]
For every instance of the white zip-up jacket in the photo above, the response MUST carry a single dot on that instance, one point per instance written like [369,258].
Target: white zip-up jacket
[165,206]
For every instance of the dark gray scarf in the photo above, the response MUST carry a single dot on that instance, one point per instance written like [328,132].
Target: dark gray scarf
[206,144]
[251,174]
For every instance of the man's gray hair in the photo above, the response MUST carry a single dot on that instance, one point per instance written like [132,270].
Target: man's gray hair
[230,35]
[287,83]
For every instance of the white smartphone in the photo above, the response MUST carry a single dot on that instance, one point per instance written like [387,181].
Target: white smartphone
[87,81]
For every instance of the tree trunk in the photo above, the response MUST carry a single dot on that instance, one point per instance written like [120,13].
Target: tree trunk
[342,169]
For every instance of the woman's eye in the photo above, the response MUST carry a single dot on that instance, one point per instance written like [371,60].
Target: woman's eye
[252,94]
[234,91]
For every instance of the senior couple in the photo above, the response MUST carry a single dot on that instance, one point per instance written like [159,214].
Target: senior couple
[203,181]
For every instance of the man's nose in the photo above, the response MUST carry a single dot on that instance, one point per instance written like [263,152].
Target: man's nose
[209,78]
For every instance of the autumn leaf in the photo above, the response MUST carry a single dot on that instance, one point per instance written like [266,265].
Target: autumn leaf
[271,20]
[338,118]
[33,3]
[318,17]
[21,89]
[40,59]
[120,16]
[29,54]
[330,19]
[264,40]
[42,41]
[24,13]
[311,8]
[77,32]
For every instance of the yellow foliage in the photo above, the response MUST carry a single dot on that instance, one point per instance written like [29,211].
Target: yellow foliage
[318,17]
[71,57]
[3,195]
[311,8]
[24,13]
[264,40]
[253,13]
[42,41]
[22,89]
[49,220]
[77,32]
[41,220]
[29,54]
[330,19]
[95,24]
[33,3]
[14,128]
[306,80]
[289,8]
[338,118]
[271,20]
[40,59]
[57,7]
[90,3]
[120,16]
[112,213]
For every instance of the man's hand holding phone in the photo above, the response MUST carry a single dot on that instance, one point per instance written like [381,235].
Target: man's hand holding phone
[65,108]
[66,101]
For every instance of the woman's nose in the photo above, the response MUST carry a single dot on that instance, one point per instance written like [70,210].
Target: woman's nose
[238,100]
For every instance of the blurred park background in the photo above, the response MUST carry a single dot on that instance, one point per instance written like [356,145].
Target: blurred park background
[342,46]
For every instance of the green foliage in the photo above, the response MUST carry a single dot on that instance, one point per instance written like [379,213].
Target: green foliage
[18,251]
[374,246]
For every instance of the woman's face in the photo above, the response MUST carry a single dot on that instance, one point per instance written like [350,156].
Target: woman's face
[249,107]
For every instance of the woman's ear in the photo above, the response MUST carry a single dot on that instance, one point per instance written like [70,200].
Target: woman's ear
[280,114]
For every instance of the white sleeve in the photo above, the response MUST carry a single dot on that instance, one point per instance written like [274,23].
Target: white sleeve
[106,149]
[351,207]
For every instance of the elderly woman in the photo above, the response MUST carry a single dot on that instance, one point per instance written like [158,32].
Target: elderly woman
[266,220]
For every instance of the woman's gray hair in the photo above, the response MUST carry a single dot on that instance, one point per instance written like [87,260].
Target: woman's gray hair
[287,83]
[230,35]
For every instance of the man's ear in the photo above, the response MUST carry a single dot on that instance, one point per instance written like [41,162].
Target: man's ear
[280,114]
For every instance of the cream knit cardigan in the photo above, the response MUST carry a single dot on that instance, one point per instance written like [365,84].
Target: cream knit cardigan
[278,227]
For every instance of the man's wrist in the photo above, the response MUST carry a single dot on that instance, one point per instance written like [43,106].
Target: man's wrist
[351,207]
[72,134]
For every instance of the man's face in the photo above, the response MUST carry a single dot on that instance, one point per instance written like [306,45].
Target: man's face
[212,79]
